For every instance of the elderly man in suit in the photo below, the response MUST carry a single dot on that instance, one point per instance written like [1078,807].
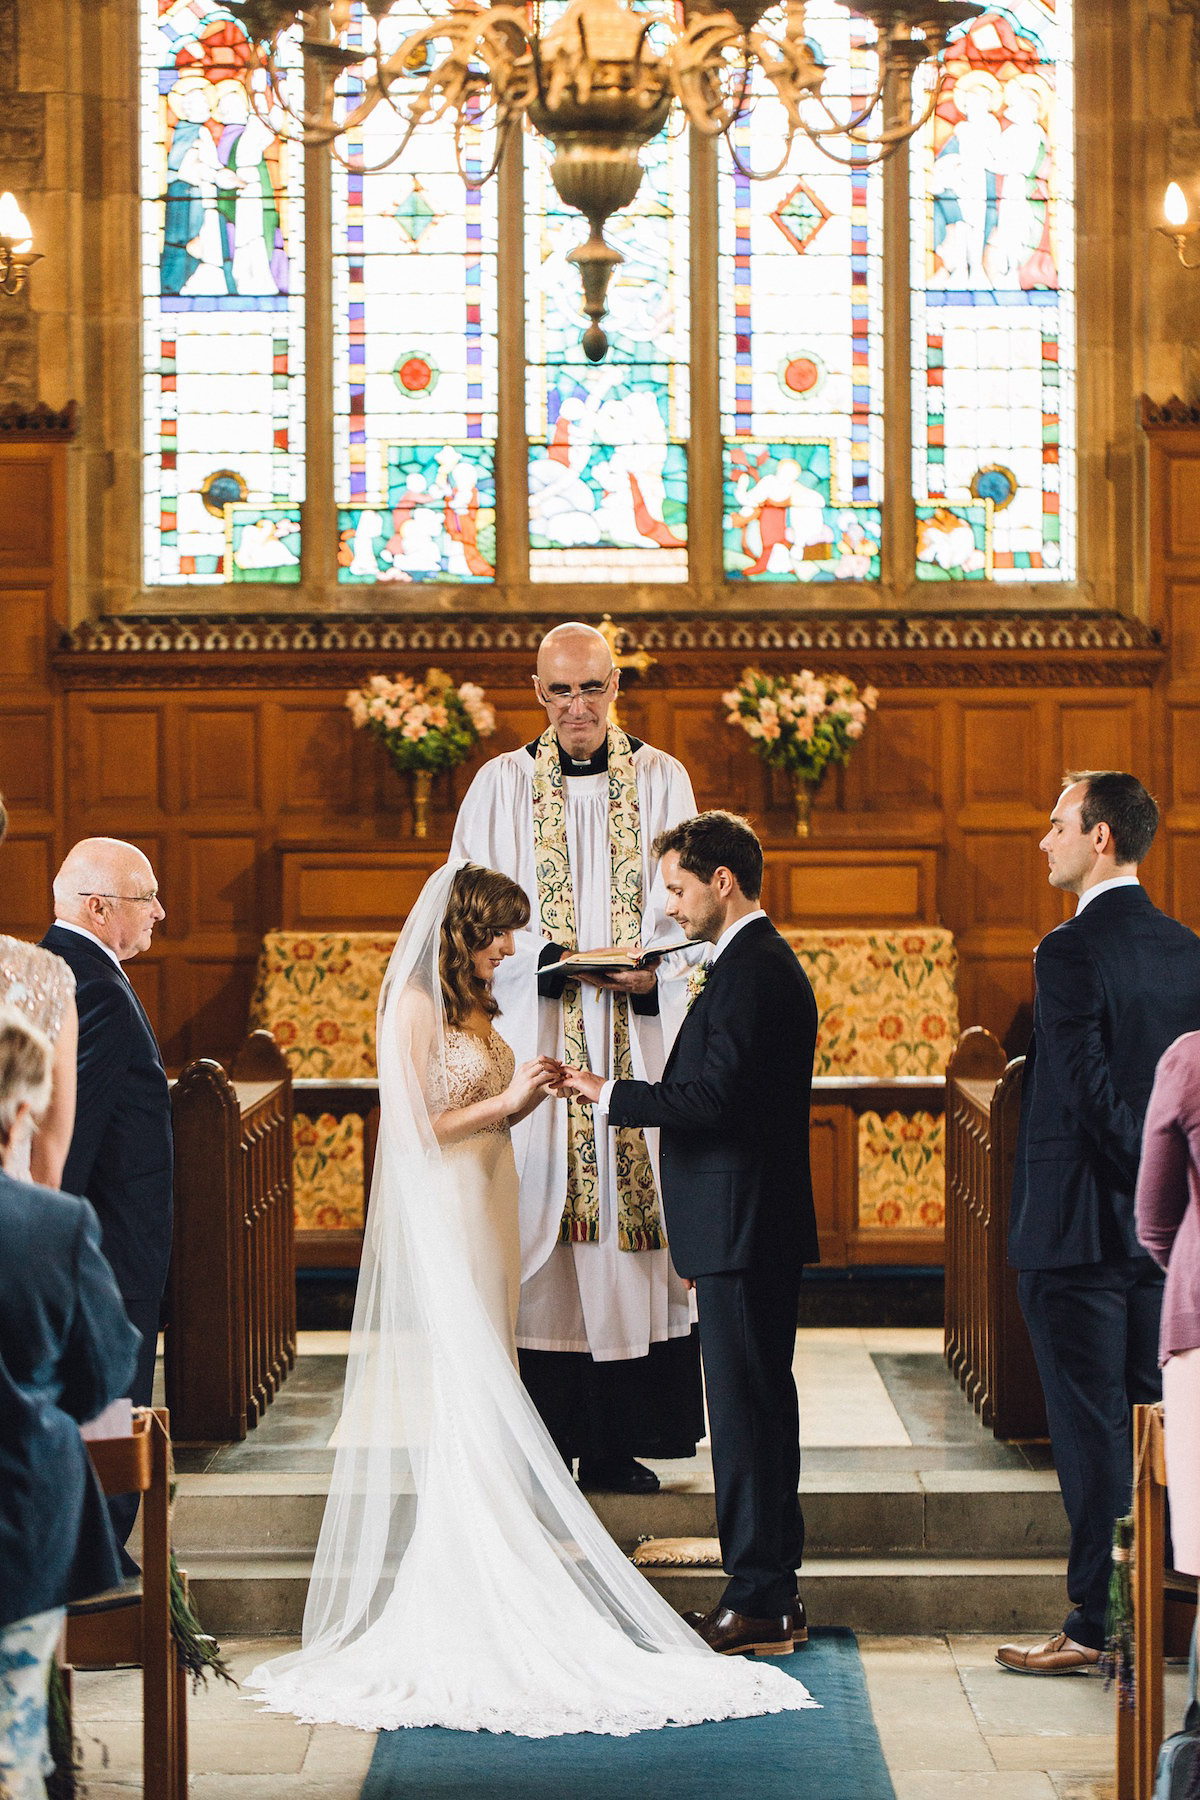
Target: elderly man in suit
[1116,984]
[106,906]
[733,1114]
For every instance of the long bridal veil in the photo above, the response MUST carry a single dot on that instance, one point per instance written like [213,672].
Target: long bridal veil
[461,1578]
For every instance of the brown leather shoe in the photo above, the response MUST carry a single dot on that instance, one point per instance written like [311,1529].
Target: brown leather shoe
[1059,1655]
[732,1634]
[798,1620]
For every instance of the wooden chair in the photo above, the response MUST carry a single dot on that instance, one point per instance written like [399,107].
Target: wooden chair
[138,1631]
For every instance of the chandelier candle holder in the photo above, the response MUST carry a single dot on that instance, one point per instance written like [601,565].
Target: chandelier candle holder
[598,83]
[423,726]
[17,254]
[800,723]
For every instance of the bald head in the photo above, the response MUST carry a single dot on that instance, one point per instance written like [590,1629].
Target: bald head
[107,887]
[576,683]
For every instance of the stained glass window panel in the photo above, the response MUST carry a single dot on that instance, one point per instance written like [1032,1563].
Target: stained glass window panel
[608,441]
[222,308]
[801,321]
[993,274]
[414,311]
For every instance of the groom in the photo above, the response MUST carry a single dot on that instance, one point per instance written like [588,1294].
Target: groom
[732,1109]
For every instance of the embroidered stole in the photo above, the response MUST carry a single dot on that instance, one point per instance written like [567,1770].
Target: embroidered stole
[639,1221]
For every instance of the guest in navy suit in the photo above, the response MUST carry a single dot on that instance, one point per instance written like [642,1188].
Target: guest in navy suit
[122,1157]
[66,1351]
[733,1115]
[1116,984]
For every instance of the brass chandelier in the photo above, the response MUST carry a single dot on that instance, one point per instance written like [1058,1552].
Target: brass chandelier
[598,83]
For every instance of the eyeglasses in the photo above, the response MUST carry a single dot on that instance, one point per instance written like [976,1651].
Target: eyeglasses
[558,694]
[133,899]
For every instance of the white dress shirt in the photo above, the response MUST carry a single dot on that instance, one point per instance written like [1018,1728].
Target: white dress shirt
[1102,887]
[82,931]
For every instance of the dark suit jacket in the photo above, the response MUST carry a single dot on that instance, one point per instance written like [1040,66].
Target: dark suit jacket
[1115,986]
[122,1152]
[66,1350]
[732,1109]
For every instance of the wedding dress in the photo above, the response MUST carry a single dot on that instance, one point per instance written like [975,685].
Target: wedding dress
[461,1579]
[40,985]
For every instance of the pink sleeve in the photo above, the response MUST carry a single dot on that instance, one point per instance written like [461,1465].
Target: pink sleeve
[1162,1183]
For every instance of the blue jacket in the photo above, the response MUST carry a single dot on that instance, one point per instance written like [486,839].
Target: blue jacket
[1116,985]
[122,1155]
[733,1113]
[66,1350]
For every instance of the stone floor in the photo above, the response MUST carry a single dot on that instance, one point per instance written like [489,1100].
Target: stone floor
[872,1402]
[951,1723]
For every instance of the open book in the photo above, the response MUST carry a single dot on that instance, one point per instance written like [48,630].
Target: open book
[614,962]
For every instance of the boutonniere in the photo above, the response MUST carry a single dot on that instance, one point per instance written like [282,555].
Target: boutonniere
[695,983]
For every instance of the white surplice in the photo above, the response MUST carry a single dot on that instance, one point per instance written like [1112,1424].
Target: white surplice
[595,1298]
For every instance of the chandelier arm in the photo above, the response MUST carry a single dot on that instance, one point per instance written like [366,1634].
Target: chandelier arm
[763,174]
[841,128]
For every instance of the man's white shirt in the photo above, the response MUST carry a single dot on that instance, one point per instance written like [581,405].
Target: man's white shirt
[1103,887]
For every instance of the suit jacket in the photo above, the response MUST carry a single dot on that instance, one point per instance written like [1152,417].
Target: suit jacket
[66,1351]
[732,1110]
[1115,986]
[122,1152]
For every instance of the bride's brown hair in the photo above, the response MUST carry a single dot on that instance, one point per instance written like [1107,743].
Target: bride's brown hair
[482,904]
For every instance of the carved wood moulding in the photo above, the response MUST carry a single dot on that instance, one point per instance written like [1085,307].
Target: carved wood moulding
[1001,649]
[1155,414]
[40,421]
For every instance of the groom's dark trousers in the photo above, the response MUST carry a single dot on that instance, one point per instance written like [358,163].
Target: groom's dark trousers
[732,1110]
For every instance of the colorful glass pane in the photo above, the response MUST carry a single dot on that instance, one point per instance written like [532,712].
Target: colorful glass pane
[414,340]
[607,441]
[801,321]
[993,274]
[222,308]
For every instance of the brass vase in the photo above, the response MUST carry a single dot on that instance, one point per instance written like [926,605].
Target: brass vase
[422,786]
[802,795]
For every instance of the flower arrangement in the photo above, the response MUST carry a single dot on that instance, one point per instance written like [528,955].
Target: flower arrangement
[429,725]
[800,723]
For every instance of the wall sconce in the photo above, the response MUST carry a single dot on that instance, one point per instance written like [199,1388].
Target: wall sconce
[1178,226]
[17,254]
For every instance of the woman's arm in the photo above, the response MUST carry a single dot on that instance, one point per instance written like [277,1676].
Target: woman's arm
[1162,1184]
[527,1089]
[52,1139]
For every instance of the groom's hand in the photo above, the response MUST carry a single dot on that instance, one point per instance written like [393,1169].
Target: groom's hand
[584,1083]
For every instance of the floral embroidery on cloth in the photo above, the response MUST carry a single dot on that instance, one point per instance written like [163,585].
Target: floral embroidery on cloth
[639,1221]
[695,983]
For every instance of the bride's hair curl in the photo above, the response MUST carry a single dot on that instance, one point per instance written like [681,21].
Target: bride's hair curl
[482,904]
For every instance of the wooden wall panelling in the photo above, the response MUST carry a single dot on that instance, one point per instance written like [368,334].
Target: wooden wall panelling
[33,603]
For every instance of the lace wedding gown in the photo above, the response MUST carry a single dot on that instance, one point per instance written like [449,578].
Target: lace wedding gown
[461,1578]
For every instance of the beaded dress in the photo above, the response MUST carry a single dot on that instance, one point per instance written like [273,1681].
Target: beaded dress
[40,985]
[485,1185]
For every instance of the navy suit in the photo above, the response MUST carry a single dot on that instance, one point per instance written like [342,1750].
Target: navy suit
[122,1151]
[66,1351]
[733,1115]
[1116,985]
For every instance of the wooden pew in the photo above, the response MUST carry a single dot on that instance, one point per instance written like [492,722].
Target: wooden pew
[231,1332]
[986,1343]
[138,1632]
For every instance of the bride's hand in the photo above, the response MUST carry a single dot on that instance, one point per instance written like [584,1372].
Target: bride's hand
[530,1085]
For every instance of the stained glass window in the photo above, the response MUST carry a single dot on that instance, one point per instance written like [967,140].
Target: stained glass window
[800,269]
[222,308]
[608,441]
[414,311]
[993,305]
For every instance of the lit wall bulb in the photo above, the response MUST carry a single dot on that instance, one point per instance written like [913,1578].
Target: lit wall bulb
[1175,206]
[14,226]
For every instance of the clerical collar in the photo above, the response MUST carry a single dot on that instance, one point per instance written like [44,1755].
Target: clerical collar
[596,764]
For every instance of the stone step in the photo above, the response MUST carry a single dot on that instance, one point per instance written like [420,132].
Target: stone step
[263,1594]
[936,1513]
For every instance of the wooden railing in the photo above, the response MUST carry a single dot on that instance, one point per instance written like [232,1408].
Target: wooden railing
[986,1342]
[231,1335]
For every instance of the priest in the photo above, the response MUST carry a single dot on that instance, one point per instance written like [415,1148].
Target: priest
[605,1329]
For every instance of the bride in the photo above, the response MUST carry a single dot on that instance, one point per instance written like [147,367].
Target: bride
[461,1579]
